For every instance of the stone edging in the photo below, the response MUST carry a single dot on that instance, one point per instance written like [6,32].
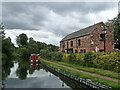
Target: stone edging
[87,82]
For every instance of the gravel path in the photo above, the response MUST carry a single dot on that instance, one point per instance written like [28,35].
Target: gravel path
[100,76]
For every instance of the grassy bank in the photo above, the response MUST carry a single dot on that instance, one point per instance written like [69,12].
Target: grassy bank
[102,72]
[93,78]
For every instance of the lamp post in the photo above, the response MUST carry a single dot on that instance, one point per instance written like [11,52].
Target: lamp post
[104,32]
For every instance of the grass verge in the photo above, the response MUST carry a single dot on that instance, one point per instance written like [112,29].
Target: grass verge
[109,83]
[106,73]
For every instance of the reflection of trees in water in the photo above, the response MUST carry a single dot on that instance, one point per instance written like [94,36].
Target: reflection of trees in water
[22,69]
[6,66]
[24,66]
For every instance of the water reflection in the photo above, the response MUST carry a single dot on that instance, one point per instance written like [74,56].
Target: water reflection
[23,76]
[39,79]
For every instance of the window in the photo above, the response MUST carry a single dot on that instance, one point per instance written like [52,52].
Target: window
[76,51]
[84,50]
[102,37]
[67,44]
[63,44]
[101,50]
[81,51]
[70,51]
[79,42]
[71,43]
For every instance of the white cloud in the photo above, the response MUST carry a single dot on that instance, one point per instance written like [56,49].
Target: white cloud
[38,35]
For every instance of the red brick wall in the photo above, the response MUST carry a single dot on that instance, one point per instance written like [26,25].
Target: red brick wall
[109,37]
[86,41]
[85,44]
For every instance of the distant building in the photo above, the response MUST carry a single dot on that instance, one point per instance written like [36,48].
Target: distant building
[90,39]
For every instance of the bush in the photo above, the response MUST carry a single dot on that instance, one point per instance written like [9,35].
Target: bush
[72,58]
[88,59]
[51,55]
[66,57]
[80,58]
[56,56]
[107,61]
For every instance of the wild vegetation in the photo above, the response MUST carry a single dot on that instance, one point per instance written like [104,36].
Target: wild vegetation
[105,61]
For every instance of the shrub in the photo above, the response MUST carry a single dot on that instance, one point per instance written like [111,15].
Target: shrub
[66,57]
[72,58]
[57,56]
[80,58]
[88,59]
[107,61]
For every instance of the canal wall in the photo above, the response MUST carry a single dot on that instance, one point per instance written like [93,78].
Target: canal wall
[88,82]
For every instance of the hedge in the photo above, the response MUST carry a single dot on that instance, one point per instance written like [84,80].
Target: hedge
[44,53]
[106,61]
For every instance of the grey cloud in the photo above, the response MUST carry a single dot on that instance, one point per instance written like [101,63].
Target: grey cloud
[83,7]
[36,16]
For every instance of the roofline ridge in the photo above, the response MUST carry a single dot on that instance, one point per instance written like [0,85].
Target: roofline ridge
[82,29]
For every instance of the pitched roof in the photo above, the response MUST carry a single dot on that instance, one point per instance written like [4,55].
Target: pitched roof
[81,32]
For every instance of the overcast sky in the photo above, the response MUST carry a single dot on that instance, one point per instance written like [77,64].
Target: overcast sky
[49,22]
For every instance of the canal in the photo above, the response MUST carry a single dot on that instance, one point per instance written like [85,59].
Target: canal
[21,75]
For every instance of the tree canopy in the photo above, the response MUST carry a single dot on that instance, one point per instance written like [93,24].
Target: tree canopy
[22,40]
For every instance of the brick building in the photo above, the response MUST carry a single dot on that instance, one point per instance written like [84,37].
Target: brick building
[89,39]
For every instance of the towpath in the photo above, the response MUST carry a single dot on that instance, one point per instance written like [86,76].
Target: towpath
[100,76]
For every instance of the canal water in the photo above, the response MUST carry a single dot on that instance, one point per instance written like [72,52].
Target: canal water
[21,75]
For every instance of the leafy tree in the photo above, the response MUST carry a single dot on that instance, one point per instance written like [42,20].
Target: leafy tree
[34,46]
[52,48]
[24,53]
[21,72]
[22,40]
[7,48]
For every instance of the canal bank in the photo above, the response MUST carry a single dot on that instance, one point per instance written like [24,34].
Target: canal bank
[96,81]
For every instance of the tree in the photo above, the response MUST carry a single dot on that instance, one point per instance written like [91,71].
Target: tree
[34,46]
[52,48]
[22,40]
[7,48]
[24,53]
